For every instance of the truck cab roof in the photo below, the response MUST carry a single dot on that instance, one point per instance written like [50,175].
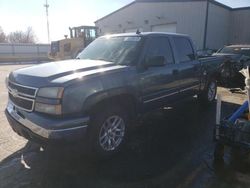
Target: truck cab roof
[143,34]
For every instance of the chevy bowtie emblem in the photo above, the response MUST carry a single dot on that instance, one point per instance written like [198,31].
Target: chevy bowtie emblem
[14,92]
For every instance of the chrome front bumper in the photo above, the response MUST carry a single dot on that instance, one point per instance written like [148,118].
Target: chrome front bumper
[45,127]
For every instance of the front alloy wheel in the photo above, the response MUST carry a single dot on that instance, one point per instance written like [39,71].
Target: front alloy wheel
[112,133]
[108,130]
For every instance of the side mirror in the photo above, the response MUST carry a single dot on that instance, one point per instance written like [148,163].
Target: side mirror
[155,61]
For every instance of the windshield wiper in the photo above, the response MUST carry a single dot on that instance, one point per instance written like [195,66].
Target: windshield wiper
[102,59]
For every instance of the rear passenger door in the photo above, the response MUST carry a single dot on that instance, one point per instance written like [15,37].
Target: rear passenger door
[159,83]
[189,67]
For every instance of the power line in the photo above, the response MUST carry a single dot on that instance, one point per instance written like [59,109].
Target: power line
[47,16]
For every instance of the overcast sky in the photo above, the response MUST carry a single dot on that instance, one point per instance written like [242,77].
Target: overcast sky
[19,14]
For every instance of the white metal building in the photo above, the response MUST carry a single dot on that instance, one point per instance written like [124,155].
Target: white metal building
[210,23]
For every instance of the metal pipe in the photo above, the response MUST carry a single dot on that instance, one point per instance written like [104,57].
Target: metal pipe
[218,109]
[239,112]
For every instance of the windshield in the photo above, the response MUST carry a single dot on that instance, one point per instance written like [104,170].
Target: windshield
[236,50]
[119,50]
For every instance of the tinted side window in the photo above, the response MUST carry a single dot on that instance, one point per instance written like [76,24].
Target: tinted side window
[184,49]
[160,46]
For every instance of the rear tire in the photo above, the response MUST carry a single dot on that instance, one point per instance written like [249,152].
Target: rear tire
[108,130]
[209,93]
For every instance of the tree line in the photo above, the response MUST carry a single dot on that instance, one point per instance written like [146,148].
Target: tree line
[27,36]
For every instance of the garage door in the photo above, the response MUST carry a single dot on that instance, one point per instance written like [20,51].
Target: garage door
[171,28]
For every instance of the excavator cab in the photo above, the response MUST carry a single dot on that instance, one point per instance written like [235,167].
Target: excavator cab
[69,48]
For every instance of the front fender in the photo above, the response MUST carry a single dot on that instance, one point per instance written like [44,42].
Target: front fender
[75,95]
[96,98]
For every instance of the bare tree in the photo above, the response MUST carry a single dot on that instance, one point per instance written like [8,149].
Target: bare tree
[3,37]
[16,37]
[22,37]
[30,35]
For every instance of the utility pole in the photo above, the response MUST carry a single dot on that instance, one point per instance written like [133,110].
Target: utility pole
[206,26]
[47,15]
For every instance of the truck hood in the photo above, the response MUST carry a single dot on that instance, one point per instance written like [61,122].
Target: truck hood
[55,73]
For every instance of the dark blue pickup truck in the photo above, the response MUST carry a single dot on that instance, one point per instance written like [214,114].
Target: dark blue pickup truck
[117,78]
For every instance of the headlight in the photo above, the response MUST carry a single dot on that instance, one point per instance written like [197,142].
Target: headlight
[48,108]
[51,92]
[48,100]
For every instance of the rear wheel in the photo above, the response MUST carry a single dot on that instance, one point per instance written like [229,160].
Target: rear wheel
[108,130]
[209,93]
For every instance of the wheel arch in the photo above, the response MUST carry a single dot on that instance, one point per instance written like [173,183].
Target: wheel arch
[212,75]
[115,97]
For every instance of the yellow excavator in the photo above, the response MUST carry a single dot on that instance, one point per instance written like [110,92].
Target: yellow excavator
[69,48]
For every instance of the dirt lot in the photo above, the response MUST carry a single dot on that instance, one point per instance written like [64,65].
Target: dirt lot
[9,142]
[173,148]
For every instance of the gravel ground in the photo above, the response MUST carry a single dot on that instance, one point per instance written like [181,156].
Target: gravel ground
[9,141]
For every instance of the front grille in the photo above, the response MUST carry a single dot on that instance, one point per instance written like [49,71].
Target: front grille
[23,90]
[22,97]
[21,102]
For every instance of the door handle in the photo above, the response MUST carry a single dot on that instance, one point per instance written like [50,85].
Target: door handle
[175,72]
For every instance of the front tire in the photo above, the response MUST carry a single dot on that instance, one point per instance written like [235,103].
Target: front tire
[108,131]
